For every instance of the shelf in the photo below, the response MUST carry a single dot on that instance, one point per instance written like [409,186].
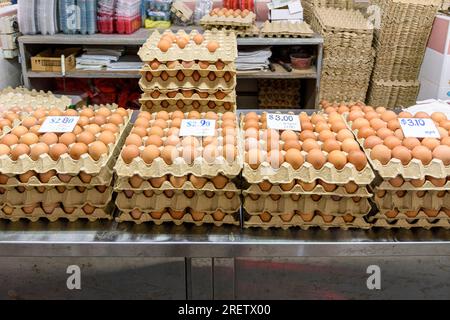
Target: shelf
[310,73]
[139,37]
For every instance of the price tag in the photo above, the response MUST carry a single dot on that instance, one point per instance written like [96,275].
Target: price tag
[198,127]
[59,124]
[419,128]
[279,121]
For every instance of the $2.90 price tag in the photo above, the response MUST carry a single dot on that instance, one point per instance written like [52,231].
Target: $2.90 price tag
[419,128]
[279,121]
[59,124]
[198,127]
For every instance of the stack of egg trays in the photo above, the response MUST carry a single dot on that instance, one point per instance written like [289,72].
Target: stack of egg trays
[285,197]
[161,193]
[79,189]
[279,93]
[191,78]
[403,203]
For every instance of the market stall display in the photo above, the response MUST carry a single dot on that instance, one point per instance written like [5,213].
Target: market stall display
[316,177]
[240,21]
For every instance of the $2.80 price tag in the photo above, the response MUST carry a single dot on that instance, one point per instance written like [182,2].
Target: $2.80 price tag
[419,128]
[279,121]
[198,127]
[59,124]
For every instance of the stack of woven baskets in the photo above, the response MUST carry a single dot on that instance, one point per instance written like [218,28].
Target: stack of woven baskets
[400,44]
[348,55]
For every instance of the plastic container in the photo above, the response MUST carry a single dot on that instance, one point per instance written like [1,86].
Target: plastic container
[105,24]
[301,61]
[128,25]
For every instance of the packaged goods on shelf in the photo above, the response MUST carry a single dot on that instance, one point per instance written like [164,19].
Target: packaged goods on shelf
[163,176]
[412,187]
[98,58]
[158,13]
[316,177]
[348,55]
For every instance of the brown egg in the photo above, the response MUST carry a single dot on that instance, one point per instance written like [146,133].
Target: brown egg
[210,153]
[46,176]
[253,158]
[107,137]
[423,154]
[18,150]
[29,122]
[438,117]
[442,153]
[422,114]
[381,153]
[154,140]
[4,149]
[437,182]
[377,124]
[360,123]
[349,145]
[19,131]
[229,152]
[307,134]
[116,119]
[155,130]
[383,133]
[351,187]
[25,177]
[310,144]
[220,181]
[397,181]
[358,159]
[83,121]
[198,39]
[189,153]
[392,141]
[344,134]
[353,115]
[133,139]
[164,45]
[77,130]
[325,135]
[29,138]
[365,132]
[402,153]
[316,158]
[169,154]
[85,137]
[77,149]
[212,46]
[275,158]
[331,145]
[430,143]
[370,115]
[417,182]
[328,187]
[404,114]
[57,150]
[129,153]
[338,159]
[96,149]
[198,182]
[10,139]
[292,144]
[93,128]
[411,143]
[295,158]
[393,125]
[38,149]
[172,140]
[190,141]
[150,153]
[388,116]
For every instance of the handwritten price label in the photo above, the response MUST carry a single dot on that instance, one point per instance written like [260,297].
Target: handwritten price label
[59,124]
[279,121]
[198,127]
[419,128]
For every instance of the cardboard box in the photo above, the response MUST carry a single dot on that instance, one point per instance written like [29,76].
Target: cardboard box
[51,61]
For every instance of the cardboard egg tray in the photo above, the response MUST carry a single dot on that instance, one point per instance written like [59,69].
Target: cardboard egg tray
[230,219]
[414,170]
[70,197]
[411,223]
[407,186]
[297,221]
[392,94]
[215,21]
[411,201]
[286,29]
[305,203]
[228,103]
[341,20]
[104,212]
[22,98]
[188,71]
[227,52]
[252,31]
[204,84]
[297,189]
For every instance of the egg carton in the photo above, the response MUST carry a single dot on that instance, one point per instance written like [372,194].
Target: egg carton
[402,215]
[227,52]
[297,189]
[22,98]
[123,184]
[414,170]
[179,201]
[412,223]
[186,105]
[341,21]
[286,29]
[176,95]
[229,219]
[204,84]
[297,221]
[66,165]
[411,201]
[188,68]
[105,212]
[70,197]
[385,185]
[305,203]
[183,12]
[228,21]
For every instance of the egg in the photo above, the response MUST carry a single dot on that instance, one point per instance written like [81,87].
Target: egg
[338,159]
[254,158]
[411,143]
[295,158]
[96,149]
[316,158]
[46,176]
[402,153]
[351,187]
[10,139]
[154,140]
[169,154]
[29,122]
[107,137]
[157,182]
[38,149]
[18,150]
[25,177]
[381,153]
[358,159]
[212,46]
[219,181]
[292,144]
[349,145]
[437,182]
[164,75]
[19,131]
[198,182]
[442,153]
[4,150]
[331,145]
[181,42]
[423,154]
[210,153]
[310,144]
[360,123]
[115,118]
[417,182]
[196,76]
[365,132]
[422,114]
[430,143]
[328,187]
[164,45]
[275,158]
[130,152]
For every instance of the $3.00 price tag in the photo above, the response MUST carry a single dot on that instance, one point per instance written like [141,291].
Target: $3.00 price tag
[59,124]
[279,121]
[419,128]
[198,127]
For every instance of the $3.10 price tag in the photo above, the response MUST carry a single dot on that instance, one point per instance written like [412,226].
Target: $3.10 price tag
[279,121]
[59,124]
[198,127]
[419,128]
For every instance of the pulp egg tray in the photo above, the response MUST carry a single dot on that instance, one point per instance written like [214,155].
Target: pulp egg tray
[411,223]
[104,212]
[70,197]
[179,201]
[306,204]
[411,201]
[188,68]
[342,20]
[65,164]
[297,189]
[385,185]
[124,184]
[286,29]
[228,21]
[188,83]
[186,105]
[202,97]
[414,170]
[297,221]
[227,52]
[158,219]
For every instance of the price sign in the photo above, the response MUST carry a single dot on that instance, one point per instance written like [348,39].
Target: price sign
[279,121]
[59,124]
[419,128]
[198,127]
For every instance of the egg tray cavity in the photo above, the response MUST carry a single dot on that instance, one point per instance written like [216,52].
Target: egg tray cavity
[66,165]
[247,21]
[407,186]
[38,213]
[227,52]
[172,72]
[122,183]
[317,190]
[305,204]
[229,219]
[229,97]
[204,84]
[152,105]
[418,223]
[410,201]
[421,215]
[71,197]
[199,202]
[297,221]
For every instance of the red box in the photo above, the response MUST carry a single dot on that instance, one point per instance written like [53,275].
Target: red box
[128,25]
